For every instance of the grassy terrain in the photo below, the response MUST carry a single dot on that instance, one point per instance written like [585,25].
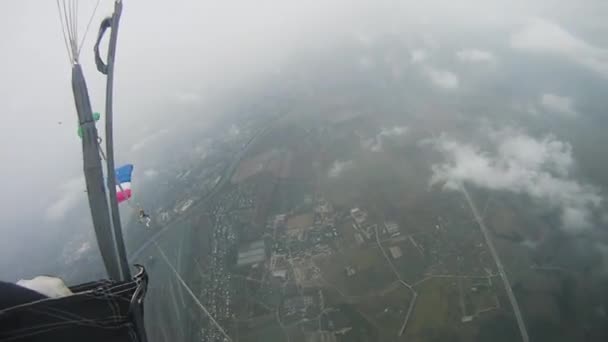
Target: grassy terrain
[387,312]
[436,316]
[372,272]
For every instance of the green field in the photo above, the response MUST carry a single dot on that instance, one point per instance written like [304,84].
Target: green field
[387,312]
[436,316]
[372,272]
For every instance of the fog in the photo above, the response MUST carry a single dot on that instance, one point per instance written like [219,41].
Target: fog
[176,59]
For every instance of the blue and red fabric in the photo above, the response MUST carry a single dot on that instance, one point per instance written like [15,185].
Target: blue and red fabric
[123,182]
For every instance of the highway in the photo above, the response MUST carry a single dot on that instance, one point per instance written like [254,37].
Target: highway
[501,270]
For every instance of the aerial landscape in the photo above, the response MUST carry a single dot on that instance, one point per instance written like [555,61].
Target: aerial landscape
[381,181]
[329,222]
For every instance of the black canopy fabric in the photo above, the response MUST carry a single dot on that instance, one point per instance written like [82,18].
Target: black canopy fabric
[97,311]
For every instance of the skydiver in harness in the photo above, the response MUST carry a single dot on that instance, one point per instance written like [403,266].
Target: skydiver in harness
[144,218]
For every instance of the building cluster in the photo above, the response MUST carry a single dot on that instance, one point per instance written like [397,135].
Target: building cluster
[251,253]
[303,305]
[217,294]
[364,230]
[304,235]
[297,305]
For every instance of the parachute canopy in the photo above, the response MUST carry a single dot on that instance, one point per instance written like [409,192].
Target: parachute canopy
[123,182]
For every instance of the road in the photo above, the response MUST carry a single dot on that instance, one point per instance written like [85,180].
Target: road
[401,281]
[501,270]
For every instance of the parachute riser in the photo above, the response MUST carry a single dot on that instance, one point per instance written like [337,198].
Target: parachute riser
[94,176]
[112,23]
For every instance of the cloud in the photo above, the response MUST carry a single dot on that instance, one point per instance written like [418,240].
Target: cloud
[443,78]
[234,131]
[532,110]
[539,168]
[365,63]
[338,167]
[395,131]
[376,143]
[475,56]
[418,56]
[148,139]
[558,104]
[83,248]
[188,98]
[532,244]
[150,173]
[364,39]
[576,217]
[77,247]
[543,36]
[70,194]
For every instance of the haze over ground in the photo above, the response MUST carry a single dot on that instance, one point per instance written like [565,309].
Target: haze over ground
[176,60]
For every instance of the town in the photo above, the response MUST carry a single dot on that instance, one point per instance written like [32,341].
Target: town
[276,255]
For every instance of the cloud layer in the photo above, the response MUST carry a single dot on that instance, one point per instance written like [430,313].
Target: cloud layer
[151,173]
[338,167]
[443,78]
[142,143]
[539,168]
[418,56]
[475,56]
[543,36]
[376,143]
[558,104]
[70,194]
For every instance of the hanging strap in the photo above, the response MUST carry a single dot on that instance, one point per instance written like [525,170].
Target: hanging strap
[101,66]
[108,70]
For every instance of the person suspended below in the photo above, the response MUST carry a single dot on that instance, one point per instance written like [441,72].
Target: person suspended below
[144,218]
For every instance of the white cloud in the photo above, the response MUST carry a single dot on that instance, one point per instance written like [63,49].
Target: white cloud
[188,98]
[521,164]
[234,131]
[558,104]
[576,218]
[543,36]
[430,41]
[70,194]
[338,167]
[532,244]
[77,246]
[376,143]
[395,131]
[83,248]
[443,78]
[475,56]
[532,110]
[365,63]
[364,39]
[418,56]
[150,173]
[148,139]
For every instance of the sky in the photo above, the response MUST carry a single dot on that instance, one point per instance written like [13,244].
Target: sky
[175,58]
